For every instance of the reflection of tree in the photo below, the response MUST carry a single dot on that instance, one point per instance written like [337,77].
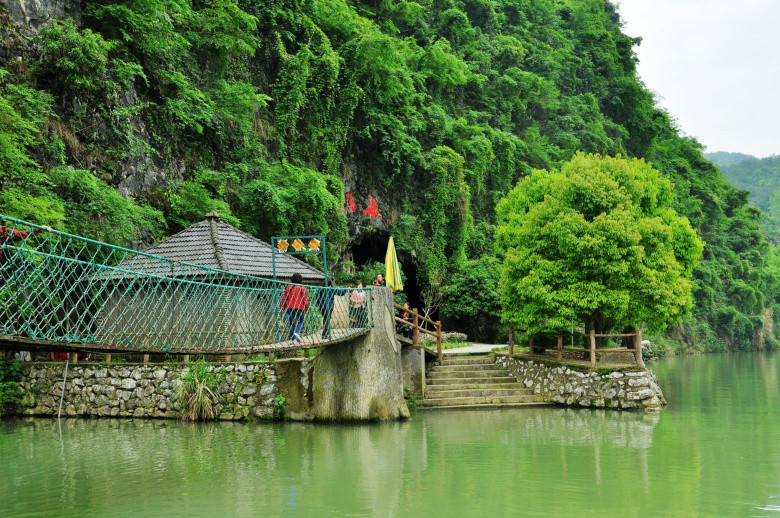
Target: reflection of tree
[566,426]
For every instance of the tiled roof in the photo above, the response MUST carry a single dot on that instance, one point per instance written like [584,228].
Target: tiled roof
[218,245]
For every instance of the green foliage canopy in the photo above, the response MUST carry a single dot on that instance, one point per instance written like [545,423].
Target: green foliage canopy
[595,242]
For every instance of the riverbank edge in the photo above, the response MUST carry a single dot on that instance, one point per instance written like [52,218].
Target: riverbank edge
[624,388]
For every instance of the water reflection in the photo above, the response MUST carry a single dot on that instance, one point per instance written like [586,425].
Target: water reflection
[714,451]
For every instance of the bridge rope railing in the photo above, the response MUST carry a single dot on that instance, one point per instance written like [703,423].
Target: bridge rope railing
[58,288]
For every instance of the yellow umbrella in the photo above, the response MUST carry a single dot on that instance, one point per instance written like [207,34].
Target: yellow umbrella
[392,268]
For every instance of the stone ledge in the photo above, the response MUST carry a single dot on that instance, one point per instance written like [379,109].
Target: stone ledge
[623,388]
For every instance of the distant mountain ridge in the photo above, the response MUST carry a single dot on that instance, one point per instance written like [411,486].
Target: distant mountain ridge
[759,176]
[727,159]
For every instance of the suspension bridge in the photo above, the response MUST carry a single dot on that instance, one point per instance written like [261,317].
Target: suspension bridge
[69,293]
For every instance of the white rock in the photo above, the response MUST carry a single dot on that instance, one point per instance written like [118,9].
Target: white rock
[643,394]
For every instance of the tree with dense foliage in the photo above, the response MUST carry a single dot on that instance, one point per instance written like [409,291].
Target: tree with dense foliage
[596,242]
[472,296]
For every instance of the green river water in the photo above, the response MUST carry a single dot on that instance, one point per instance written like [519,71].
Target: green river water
[714,451]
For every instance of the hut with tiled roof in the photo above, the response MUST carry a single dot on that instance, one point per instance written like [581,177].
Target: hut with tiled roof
[216,310]
[215,244]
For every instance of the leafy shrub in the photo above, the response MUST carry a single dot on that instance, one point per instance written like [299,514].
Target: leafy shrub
[10,396]
[280,407]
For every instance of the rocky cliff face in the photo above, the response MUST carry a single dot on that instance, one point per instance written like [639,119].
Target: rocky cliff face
[144,165]
[30,15]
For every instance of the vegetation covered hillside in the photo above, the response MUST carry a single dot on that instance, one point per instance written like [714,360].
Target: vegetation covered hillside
[760,176]
[354,119]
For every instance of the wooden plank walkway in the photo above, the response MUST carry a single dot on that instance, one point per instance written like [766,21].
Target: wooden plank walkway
[309,341]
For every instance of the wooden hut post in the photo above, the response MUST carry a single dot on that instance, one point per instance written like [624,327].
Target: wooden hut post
[592,346]
[638,348]
[560,346]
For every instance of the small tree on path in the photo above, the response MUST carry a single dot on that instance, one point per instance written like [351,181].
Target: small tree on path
[596,242]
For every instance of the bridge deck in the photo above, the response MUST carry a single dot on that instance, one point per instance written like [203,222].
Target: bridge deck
[309,341]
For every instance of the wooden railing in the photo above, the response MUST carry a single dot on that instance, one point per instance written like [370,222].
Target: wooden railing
[592,335]
[417,324]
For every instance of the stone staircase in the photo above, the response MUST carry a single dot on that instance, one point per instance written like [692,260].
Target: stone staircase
[474,381]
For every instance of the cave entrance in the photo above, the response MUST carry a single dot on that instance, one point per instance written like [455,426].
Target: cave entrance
[372,247]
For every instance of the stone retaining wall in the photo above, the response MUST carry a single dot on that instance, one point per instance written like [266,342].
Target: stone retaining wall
[130,390]
[627,388]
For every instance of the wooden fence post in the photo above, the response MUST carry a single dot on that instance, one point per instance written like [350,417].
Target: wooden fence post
[438,339]
[511,341]
[531,345]
[592,346]
[638,348]
[146,359]
[108,358]
[416,333]
[271,356]
[186,358]
[560,346]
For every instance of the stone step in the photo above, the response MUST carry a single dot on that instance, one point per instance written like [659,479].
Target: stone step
[463,367]
[436,374]
[479,385]
[468,360]
[488,405]
[456,380]
[472,392]
[480,400]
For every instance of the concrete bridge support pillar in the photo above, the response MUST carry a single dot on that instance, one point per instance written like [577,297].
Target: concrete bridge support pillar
[356,380]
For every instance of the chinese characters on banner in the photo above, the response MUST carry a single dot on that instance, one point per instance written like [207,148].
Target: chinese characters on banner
[372,211]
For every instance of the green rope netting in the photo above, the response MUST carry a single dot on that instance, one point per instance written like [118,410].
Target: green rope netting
[57,287]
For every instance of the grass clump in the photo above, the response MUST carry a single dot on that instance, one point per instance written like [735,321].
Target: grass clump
[199,392]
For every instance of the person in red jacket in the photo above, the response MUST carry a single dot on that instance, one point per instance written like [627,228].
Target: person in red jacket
[295,304]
